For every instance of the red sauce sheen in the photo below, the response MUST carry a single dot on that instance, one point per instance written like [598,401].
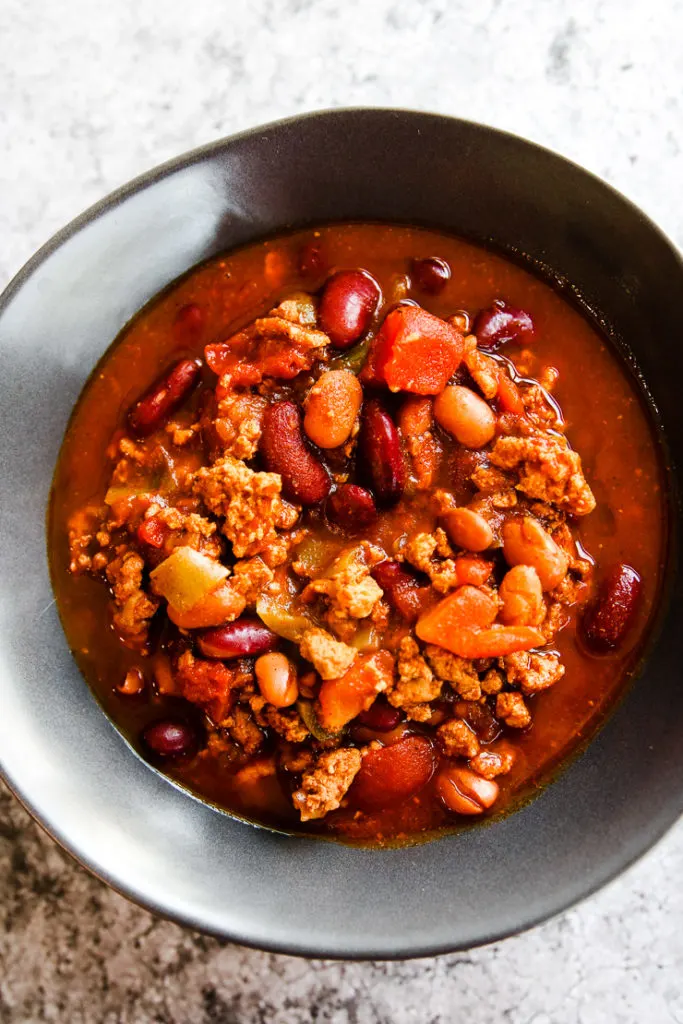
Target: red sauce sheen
[320,545]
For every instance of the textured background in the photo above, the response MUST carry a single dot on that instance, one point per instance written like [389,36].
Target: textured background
[94,92]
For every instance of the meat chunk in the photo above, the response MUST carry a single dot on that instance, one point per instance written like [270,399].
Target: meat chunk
[237,425]
[350,589]
[134,607]
[83,528]
[459,672]
[548,470]
[281,344]
[492,682]
[244,730]
[330,657]
[249,503]
[287,724]
[511,709]
[431,553]
[324,786]
[210,683]
[496,485]
[541,409]
[457,739]
[484,371]
[190,529]
[416,684]
[250,577]
[490,763]
[532,672]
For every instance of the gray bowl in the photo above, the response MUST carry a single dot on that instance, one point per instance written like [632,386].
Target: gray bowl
[60,753]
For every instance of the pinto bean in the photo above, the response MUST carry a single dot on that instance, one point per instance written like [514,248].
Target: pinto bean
[285,451]
[331,408]
[239,639]
[606,620]
[465,792]
[352,507]
[465,415]
[381,457]
[525,542]
[166,394]
[347,305]
[276,678]
[469,530]
[522,596]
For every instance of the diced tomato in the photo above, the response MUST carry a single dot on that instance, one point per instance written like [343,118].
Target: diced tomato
[508,395]
[465,608]
[343,698]
[153,531]
[417,351]
[470,569]
[391,774]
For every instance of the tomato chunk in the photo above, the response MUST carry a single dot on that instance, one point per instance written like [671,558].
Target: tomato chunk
[343,698]
[417,351]
[388,775]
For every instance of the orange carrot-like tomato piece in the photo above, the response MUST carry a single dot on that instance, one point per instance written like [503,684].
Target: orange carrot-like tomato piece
[388,775]
[494,642]
[343,698]
[463,623]
[465,608]
[417,351]
[470,569]
[508,395]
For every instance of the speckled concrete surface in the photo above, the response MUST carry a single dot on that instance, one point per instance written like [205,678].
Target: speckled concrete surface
[91,94]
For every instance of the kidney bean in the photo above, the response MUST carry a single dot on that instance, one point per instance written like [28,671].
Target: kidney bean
[606,620]
[480,718]
[501,323]
[164,397]
[431,275]
[169,738]
[381,457]
[312,263]
[285,451]
[347,305]
[391,774]
[238,639]
[352,507]
[189,322]
[402,590]
[380,716]
[465,792]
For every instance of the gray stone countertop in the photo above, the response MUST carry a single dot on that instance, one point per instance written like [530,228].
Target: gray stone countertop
[91,94]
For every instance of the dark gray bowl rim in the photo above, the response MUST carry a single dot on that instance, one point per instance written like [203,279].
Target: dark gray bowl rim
[52,828]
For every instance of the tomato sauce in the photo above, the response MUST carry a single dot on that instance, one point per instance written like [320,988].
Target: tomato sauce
[607,421]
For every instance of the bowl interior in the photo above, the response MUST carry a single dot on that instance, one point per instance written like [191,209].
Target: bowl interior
[61,754]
